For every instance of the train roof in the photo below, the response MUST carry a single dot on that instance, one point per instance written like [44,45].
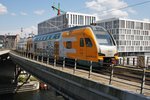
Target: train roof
[69,29]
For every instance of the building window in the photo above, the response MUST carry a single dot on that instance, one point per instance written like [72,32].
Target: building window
[116,24]
[139,25]
[108,25]
[71,19]
[80,20]
[68,44]
[128,31]
[93,19]
[76,19]
[130,24]
[56,36]
[122,24]
[85,20]
[81,42]
[67,16]
[90,20]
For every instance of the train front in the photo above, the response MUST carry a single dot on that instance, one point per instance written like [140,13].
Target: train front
[107,53]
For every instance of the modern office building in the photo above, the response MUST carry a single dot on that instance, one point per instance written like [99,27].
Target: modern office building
[132,36]
[68,19]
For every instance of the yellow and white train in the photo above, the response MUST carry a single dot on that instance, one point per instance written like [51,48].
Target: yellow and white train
[84,43]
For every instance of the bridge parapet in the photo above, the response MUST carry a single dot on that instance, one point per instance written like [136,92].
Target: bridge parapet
[77,87]
[4,51]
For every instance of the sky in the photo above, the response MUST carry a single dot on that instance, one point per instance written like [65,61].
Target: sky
[26,14]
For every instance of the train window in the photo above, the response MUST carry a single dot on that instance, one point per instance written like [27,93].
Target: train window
[49,37]
[35,39]
[88,42]
[104,39]
[56,36]
[68,44]
[40,38]
[81,42]
[44,38]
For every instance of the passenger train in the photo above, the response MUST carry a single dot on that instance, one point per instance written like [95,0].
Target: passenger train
[84,43]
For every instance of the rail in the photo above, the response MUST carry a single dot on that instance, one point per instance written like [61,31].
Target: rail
[113,74]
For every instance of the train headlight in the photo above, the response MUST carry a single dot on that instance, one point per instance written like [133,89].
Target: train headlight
[116,55]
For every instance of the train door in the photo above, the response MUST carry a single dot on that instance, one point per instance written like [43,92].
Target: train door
[90,49]
[82,48]
[56,49]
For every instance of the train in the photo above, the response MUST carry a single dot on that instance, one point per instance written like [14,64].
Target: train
[87,44]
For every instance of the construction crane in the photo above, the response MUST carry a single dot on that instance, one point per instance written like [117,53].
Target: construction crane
[58,9]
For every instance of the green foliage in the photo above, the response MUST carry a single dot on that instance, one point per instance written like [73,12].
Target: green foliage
[21,79]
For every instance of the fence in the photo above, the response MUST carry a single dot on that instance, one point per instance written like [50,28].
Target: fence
[112,74]
[135,61]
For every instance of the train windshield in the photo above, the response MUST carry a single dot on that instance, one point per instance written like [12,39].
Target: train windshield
[103,37]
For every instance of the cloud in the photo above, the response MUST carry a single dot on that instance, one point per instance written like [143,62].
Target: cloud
[25,33]
[31,29]
[3,9]
[39,12]
[130,10]
[13,14]
[23,13]
[108,8]
[146,19]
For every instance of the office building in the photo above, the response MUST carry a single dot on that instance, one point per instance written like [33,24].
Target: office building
[68,19]
[132,36]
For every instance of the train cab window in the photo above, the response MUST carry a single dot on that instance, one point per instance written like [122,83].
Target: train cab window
[81,42]
[88,42]
[68,44]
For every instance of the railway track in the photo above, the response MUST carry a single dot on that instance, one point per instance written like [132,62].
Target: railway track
[126,73]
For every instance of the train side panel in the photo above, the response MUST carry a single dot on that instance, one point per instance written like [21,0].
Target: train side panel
[80,44]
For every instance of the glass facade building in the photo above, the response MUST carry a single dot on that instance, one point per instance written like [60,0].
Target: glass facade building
[132,36]
[69,19]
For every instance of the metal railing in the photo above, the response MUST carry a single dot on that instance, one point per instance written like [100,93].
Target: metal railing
[140,75]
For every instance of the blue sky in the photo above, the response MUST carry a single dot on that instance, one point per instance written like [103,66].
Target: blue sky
[15,14]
